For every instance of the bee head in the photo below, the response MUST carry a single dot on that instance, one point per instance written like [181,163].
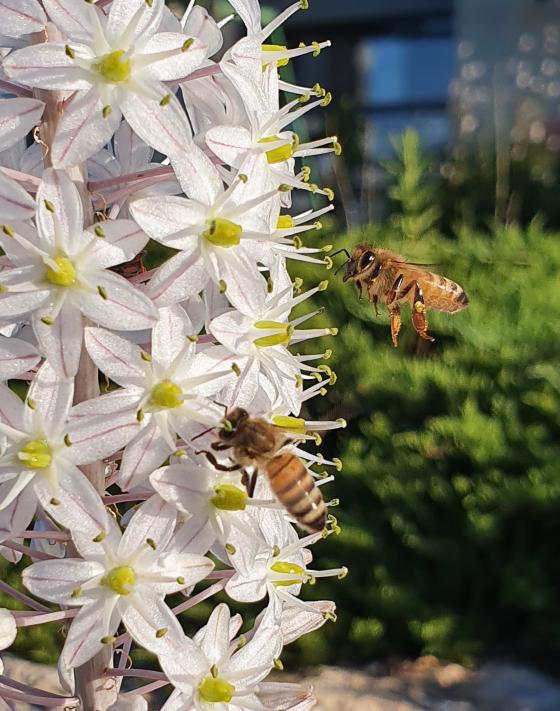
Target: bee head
[362,264]
[231,422]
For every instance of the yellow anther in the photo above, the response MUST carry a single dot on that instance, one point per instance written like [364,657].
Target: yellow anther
[277,48]
[289,423]
[286,568]
[285,222]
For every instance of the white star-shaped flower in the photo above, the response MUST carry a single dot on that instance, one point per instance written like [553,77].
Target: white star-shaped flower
[61,272]
[120,577]
[117,65]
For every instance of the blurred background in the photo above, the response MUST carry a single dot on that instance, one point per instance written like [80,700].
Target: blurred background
[449,116]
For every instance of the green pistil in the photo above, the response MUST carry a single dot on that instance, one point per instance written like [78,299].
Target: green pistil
[223,233]
[36,454]
[166,395]
[229,498]
[120,580]
[280,154]
[113,68]
[288,569]
[64,275]
[215,690]
[277,48]
[275,339]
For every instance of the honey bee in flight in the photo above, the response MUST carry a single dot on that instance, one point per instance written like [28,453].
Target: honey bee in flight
[255,442]
[388,278]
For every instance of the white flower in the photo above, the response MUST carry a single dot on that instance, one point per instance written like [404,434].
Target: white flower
[8,628]
[24,158]
[120,578]
[259,333]
[15,202]
[164,393]
[211,228]
[116,64]
[38,458]
[62,272]
[215,502]
[278,568]
[214,672]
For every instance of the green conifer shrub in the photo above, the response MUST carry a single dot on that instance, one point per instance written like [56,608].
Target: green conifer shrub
[450,491]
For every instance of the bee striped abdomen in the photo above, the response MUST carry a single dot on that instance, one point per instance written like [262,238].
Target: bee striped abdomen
[443,294]
[295,488]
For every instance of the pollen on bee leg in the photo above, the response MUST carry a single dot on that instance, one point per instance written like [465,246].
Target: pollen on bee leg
[419,307]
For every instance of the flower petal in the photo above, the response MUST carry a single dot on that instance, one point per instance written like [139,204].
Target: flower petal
[16,357]
[173,221]
[215,642]
[146,614]
[72,501]
[145,453]
[62,225]
[73,18]
[57,580]
[94,621]
[83,129]
[15,202]
[117,357]
[164,127]
[62,340]
[198,177]
[230,143]
[121,241]
[178,66]
[15,518]
[121,13]
[22,17]
[180,278]
[169,335]
[46,66]
[155,520]
[17,118]
[52,398]
[122,306]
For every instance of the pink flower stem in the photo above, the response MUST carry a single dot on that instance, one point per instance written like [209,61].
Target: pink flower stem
[14,89]
[123,498]
[39,555]
[22,692]
[220,575]
[29,181]
[199,73]
[146,689]
[96,185]
[50,535]
[22,597]
[143,673]
[29,619]
[204,595]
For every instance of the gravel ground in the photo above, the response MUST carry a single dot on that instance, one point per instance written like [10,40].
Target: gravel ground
[423,685]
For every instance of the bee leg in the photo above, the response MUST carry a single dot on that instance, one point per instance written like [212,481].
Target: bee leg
[359,285]
[374,300]
[220,446]
[419,318]
[394,294]
[251,482]
[215,463]
[396,323]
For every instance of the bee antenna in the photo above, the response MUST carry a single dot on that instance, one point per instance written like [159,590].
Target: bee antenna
[221,404]
[339,251]
[201,434]
[344,263]
[341,266]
